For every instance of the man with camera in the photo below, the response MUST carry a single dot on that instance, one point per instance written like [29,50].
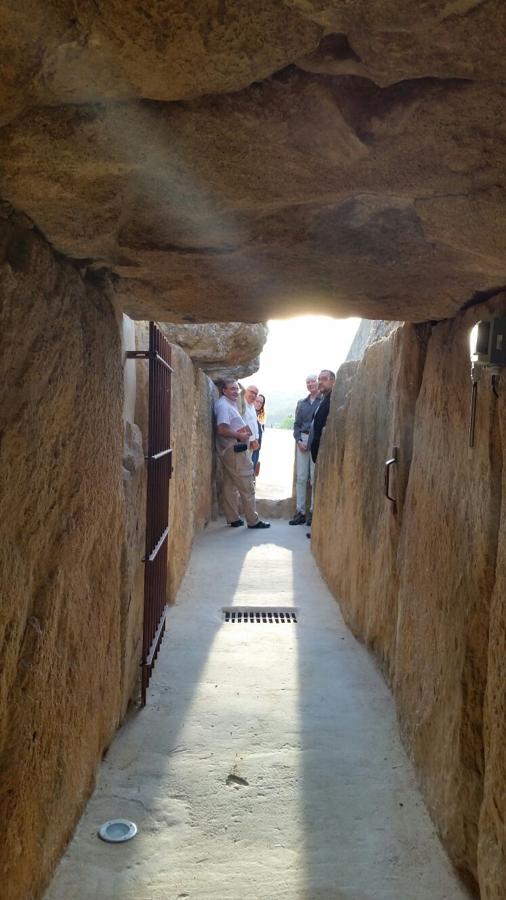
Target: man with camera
[233,439]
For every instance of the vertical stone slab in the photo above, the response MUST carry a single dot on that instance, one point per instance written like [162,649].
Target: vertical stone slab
[355,528]
[203,451]
[492,825]
[181,488]
[61,529]
[447,559]
[425,589]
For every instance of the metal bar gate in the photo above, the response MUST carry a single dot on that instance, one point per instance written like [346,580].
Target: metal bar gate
[159,463]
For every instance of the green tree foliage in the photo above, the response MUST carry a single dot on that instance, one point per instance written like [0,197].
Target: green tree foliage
[287,422]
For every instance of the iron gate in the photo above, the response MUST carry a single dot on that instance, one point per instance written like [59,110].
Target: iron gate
[159,464]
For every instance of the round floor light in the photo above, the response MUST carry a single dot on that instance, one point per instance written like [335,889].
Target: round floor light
[116,831]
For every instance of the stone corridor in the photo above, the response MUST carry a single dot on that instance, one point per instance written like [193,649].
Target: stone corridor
[267,764]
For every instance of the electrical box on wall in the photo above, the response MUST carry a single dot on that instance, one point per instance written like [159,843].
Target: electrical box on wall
[488,343]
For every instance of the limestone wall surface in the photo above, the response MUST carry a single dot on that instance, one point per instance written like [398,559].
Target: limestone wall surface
[61,532]
[423,583]
[72,511]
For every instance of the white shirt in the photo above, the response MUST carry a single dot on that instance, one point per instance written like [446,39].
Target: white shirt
[250,417]
[226,413]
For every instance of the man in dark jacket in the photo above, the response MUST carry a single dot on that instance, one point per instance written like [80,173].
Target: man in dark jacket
[326,381]
[304,463]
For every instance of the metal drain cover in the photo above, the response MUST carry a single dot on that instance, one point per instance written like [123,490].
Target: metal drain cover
[260,615]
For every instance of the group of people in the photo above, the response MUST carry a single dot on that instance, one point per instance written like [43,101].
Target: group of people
[240,422]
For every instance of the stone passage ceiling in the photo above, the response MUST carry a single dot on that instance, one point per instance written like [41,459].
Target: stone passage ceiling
[237,160]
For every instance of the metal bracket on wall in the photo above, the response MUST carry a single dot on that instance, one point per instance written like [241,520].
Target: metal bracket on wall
[388,465]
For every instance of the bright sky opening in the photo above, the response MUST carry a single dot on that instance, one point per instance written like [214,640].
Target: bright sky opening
[296,348]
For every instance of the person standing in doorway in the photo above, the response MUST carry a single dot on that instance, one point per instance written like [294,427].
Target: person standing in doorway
[260,411]
[326,381]
[232,438]
[304,464]
[247,409]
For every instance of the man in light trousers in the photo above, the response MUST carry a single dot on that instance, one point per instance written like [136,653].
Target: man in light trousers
[232,440]
[304,464]
[246,406]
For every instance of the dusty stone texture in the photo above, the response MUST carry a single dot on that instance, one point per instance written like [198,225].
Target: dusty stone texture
[191,488]
[61,524]
[299,193]
[203,451]
[176,50]
[220,349]
[425,588]
[275,509]
[447,563]
[368,332]
[492,827]
[377,416]
[72,509]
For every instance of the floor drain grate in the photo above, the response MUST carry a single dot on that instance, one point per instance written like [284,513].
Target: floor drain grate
[260,616]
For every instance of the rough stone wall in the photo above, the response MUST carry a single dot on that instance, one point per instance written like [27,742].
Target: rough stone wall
[377,418]
[220,349]
[72,511]
[423,585]
[492,823]
[369,331]
[203,450]
[61,531]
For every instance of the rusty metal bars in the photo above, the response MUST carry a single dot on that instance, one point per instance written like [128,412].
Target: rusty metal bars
[159,462]
[159,465]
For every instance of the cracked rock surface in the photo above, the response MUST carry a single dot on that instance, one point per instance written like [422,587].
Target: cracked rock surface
[235,161]
[226,350]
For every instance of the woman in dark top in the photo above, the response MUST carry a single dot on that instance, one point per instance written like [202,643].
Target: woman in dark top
[260,408]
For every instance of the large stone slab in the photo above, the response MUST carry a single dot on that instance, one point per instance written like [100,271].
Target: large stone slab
[303,192]
[62,527]
[176,50]
[72,514]
[220,349]
[424,586]
[355,528]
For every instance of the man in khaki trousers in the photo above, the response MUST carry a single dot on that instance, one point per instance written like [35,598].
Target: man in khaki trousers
[233,439]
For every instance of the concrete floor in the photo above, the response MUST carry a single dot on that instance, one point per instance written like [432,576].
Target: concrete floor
[275,481]
[267,764]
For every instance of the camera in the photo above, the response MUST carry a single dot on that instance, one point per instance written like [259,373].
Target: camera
[240,447]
